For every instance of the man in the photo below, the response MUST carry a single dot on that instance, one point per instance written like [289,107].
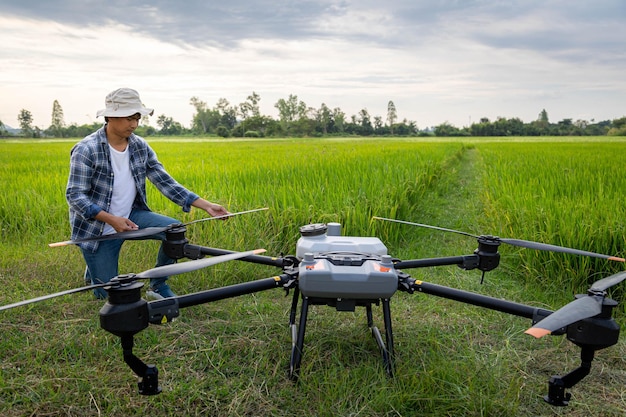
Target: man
[106,190]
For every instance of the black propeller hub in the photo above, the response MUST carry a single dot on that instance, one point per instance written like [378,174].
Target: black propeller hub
[125,313]
[489,257]
[124,290]
[175,242]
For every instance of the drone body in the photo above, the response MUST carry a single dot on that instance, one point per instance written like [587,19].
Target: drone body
[343,267]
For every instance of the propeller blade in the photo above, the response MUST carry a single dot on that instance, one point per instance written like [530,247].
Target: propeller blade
[129,234]
[608,282]
[158,272]
[225,216]
[49,296]
[579,309]
[553,248]
[145,232]
[175,269]
[443,229]
[518,242]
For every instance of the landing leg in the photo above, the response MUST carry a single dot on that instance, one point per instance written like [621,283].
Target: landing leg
[148,374]
[386,350]
[298,343]
[388,335]
[558,384]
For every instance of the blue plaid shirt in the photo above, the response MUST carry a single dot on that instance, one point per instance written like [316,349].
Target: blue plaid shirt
[90,184]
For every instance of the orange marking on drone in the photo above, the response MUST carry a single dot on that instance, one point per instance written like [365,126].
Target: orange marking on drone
[537,332]
[615,258]
[317,265]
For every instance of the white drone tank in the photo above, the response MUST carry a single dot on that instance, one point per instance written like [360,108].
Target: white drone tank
[322,238]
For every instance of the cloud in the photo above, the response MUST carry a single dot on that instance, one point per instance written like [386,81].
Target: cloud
[438,61]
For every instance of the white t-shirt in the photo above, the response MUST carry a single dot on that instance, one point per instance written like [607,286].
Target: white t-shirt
[124,190]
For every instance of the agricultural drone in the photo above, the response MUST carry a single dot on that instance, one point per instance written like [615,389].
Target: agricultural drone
[346,272]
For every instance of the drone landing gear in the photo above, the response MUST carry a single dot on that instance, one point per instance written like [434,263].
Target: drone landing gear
[558,384]
[126,314]
[385,350]
[298,331]
[148,374]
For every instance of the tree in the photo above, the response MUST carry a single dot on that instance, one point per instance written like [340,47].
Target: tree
[618,127]
[199,121]
[250,107]
[291,111]
[378,124]
[324,118]
[566,128]
[57,124]
[227,114]
[543,117]
[168,126]
[339,120]
[365,122]
[207,120]
[483,128]
[501,127]
[25,119]
[406,128]
[392,115]
[265,125]
[446,129]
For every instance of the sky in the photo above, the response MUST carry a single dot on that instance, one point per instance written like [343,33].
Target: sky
[453,61]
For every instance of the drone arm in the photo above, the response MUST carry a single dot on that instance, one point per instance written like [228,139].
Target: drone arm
[465,262]
[235,290]
[479,300]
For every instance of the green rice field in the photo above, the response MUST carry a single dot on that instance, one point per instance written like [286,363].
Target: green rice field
[230,357]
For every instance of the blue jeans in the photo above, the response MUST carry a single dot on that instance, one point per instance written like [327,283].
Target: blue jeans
[102,265]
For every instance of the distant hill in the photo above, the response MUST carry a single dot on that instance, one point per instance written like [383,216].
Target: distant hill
[12,130]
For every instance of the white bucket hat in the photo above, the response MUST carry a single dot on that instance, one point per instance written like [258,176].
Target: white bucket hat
[123,102]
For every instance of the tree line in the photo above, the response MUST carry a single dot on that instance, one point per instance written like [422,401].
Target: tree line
[296,119]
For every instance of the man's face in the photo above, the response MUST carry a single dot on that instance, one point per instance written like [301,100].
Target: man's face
[124,126]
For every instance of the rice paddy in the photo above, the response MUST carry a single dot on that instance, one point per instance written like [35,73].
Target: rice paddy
[229,357]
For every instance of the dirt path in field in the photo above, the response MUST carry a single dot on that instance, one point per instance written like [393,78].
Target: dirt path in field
[456,201]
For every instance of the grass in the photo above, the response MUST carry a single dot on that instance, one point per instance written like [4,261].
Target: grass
[230,357]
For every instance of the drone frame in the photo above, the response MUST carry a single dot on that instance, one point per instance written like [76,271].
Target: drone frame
[587,321]
[119,315]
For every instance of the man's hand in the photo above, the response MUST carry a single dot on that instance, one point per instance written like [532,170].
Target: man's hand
[213,209]
[120,224]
